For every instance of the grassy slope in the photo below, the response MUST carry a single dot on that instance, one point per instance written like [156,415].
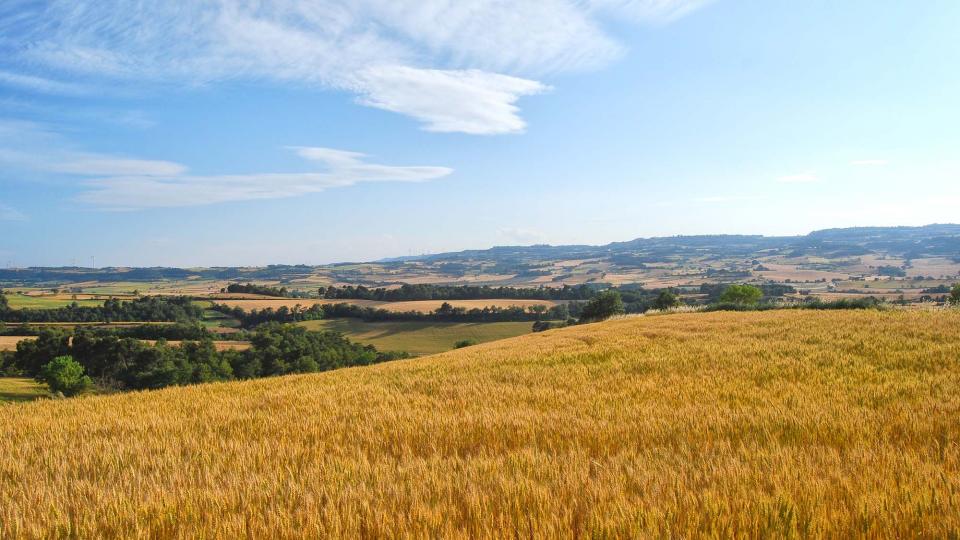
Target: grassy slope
[13,389]
[783,423]
[419,337]
[18,301]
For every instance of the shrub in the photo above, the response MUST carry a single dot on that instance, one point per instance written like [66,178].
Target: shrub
[955,295]
[666,300]
[464,343]
[63,374]
[746,295]
[603,306]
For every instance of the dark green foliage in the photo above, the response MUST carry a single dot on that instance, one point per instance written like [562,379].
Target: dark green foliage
[464,343]
[744,295]
[32,355]
[249,319]
[4,305]
[445,313]
[892,271]
[128,363]
[666,300]
[146,309]
[279,349]
[603,306]
[63,374]
[846,303]
[250,288]
[770,290]
[955,295]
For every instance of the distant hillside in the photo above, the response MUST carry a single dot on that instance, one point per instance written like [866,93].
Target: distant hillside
[785,424]
[831,250]
[928,240]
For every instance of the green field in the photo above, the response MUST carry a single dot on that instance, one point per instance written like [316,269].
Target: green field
[419,337]
[19,301]
[19,389]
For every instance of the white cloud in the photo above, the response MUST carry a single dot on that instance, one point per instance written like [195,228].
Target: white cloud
[9,213]
[455,65]
[802,178]
[467,101]
[869,162]
[127,192]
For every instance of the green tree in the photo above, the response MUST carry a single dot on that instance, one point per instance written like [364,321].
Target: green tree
[666,300]
[3,301]
[603,306]
[744,295]
[955,295]
[63,374]
[464,343]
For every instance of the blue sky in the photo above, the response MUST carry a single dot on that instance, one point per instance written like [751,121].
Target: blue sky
[281,131]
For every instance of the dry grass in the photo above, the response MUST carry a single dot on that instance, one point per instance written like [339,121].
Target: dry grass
[776,424]
[9,343]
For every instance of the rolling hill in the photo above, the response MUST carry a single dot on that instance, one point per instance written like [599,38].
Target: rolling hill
[783,423]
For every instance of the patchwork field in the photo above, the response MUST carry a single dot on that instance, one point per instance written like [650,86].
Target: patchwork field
[419,337]
[763,424]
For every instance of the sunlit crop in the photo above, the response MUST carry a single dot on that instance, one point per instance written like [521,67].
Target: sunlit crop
[785,423]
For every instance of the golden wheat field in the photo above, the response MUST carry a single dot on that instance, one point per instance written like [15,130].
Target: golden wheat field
[776,424]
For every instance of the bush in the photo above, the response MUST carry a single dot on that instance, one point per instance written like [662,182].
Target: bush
[666,300]
[745,295]
[464,343]
[63,374]
[603,306]
[955,295]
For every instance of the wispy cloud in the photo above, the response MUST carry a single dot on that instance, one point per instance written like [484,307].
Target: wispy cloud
[9,213]
[869,162]
[127,183]
[454,65]
[96,165]
[41,84]
[342,168]
[802,178]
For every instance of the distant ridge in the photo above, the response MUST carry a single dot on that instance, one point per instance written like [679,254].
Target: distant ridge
[936,240]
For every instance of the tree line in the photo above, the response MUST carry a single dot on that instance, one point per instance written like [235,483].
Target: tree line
[408,292]
[250,288]
[130,364]
[445,313]
[145,309]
